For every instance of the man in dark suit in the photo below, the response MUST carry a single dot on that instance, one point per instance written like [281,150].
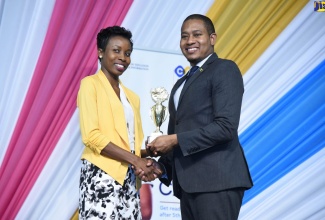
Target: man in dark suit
[202,153]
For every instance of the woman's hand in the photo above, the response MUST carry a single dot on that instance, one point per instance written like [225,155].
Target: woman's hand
[155,167]
[144,171]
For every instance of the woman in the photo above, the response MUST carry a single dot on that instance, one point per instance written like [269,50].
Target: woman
[111,131]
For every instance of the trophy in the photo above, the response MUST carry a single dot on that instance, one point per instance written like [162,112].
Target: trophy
[158,112]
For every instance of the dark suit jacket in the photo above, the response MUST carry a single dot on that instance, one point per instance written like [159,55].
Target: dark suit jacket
[209,156]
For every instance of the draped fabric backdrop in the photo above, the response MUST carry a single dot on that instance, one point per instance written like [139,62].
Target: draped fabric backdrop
[48,46]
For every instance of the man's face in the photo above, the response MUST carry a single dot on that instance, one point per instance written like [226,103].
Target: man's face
[196,43]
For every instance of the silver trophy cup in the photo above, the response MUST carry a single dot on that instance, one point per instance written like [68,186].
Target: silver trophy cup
[158,112]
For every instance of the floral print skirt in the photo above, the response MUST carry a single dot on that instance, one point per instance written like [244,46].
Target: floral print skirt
[101,197]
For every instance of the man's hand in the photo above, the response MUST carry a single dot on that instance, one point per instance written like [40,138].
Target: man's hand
[145,172]
[148,152]
[158,170]
[162,144]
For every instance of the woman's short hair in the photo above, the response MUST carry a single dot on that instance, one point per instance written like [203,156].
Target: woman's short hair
[105,34]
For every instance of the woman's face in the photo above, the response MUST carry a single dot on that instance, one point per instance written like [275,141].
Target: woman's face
[116,57]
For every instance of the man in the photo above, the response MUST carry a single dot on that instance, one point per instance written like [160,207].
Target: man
[202,153]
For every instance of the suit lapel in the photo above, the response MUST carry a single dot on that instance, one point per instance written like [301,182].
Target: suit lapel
[116,108]
[171,104]
[196,75]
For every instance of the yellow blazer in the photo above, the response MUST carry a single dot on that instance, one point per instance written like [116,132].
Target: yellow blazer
[102,120]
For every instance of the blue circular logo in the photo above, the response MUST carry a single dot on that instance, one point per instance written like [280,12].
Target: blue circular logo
[179,71]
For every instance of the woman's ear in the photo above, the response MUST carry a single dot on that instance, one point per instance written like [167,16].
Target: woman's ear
[100,53]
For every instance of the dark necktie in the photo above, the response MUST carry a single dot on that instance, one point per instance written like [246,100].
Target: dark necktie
[191,72]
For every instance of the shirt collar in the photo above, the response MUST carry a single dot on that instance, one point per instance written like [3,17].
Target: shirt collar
[199,64]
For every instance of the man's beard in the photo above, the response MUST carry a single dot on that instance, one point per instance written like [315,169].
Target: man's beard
[194,61]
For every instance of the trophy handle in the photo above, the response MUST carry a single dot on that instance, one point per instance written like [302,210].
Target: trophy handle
[158,115]
[166,114]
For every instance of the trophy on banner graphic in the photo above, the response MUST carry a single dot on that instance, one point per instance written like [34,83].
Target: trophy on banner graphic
[158,112]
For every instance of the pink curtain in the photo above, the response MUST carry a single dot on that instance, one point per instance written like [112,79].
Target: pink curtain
[68,54]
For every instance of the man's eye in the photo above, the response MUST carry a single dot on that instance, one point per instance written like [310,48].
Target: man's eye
[128,54]
[116,50]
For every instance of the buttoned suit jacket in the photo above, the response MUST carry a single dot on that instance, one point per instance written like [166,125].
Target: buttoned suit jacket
[208,157]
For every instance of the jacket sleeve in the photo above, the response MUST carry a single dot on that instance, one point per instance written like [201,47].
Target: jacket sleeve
[166,161]
[88,117]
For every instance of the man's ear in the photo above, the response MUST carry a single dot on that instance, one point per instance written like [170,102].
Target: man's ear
[213,39]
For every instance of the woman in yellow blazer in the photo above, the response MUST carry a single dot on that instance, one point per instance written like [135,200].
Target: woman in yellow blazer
[111,131]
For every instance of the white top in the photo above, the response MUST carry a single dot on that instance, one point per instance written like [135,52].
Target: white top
[129,117]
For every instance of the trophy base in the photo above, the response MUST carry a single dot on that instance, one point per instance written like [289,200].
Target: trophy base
[153,136]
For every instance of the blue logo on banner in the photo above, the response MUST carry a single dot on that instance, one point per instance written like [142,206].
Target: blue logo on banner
[319,6]
[179,71]
[163,192]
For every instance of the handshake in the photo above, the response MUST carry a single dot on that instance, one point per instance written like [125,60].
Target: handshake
[148,169]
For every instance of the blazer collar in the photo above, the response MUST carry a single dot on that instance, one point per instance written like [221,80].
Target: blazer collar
[116,107]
